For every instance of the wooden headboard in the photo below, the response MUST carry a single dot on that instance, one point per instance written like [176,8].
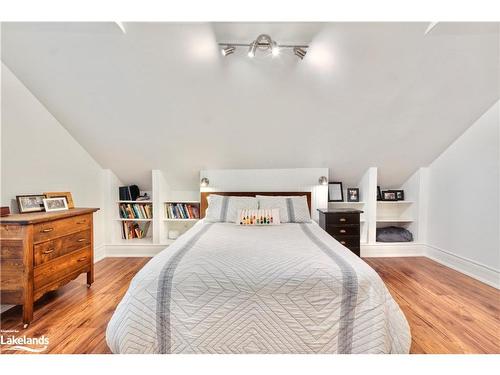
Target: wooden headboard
[204,195]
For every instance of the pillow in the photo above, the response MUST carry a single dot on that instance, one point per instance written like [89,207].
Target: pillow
[224,208]
[259,217]
[293,209]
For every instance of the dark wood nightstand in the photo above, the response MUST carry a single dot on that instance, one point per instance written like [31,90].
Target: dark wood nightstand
[343,225]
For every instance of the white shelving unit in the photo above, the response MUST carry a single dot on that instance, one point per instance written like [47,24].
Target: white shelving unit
[179,225]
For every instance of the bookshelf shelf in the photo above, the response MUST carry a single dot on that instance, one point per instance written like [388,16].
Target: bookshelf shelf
[181,220]
[394,202]
[123,219]
[138,202]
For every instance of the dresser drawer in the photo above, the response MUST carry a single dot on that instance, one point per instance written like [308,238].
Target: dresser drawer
[48,250]
[342,218]
[57,228]
[343,230]
[61,267]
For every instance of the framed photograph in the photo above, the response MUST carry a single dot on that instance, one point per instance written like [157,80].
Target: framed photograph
[335,192]
[400,195]
[379,194]
[352,194]
[30,203]
[55,204]
[62,194]
[389,195]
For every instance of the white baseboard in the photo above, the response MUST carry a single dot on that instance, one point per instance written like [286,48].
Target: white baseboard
[99,253]
[466,266]
[133,251]
[392,250]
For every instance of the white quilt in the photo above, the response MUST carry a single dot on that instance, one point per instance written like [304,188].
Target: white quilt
[224,288]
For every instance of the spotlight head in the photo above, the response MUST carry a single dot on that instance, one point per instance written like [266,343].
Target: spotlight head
[299,52]
[228,50]
[204,182]
[323,180]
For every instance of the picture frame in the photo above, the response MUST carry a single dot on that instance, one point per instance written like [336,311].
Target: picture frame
[30,203]
[62,194]
[389,195]
[353,194]
[55,204]
[335,192]
[379,194]
[400,195]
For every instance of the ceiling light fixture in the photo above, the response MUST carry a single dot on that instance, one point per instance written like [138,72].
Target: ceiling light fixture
[204,182]
[323,180]
[264,43]
[228,50]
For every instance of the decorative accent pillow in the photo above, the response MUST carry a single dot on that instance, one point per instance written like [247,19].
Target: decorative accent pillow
[259,217]
[293,209]
[224,208]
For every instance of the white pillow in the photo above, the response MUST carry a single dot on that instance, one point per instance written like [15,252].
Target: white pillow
[224,208]
[259,217]
[293,209]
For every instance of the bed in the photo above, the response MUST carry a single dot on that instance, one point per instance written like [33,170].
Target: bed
[290,288]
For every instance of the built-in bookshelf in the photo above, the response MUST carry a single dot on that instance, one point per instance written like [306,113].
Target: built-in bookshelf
[135,218]
[179,216]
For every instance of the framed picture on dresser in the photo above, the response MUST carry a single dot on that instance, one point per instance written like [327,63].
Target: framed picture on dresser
[30,203]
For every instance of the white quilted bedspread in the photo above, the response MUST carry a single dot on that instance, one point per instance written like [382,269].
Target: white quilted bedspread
[223,288]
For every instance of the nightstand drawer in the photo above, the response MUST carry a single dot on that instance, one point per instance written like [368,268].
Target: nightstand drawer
[52,249]
[343,230]
[342,218]
[57,228]
[348,241]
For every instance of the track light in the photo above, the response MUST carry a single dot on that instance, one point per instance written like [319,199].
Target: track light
[275,50]
[228,50]
[204,182]
[323,180]
[299,52]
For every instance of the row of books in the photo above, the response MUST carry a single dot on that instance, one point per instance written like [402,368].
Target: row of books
[182,211]
[132,229]
[136,211]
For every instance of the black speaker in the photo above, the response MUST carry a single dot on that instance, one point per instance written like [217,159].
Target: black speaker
[134,192]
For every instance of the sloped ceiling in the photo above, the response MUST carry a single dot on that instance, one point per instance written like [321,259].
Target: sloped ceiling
[161,96]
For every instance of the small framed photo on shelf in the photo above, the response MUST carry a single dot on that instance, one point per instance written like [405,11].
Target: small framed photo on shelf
[352,194]
[400,195]
[55,204]
[389,195]
[62,194]
[30,203]
[335,192]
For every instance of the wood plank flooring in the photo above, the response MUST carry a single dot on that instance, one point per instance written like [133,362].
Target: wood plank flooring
[448,312]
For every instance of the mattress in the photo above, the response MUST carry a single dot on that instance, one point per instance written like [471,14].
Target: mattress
[290,288]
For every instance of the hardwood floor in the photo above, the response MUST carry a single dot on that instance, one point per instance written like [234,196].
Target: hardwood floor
[448,312]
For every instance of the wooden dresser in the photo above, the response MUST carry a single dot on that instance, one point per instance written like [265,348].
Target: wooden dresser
[343,225]
[42,251]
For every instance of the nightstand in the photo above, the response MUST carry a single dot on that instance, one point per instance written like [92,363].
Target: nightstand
[343,225]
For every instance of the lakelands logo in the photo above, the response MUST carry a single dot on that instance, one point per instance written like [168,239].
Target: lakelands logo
[10,341]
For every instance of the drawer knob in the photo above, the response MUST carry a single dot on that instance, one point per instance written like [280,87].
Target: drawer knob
[47,230]
[81,259]
[81,239]
[342,219]
[48,251]
[342,242]
[81,222]
[342,231]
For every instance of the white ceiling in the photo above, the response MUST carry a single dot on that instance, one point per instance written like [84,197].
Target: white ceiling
[161,96]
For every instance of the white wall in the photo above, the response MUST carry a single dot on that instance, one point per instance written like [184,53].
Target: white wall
[39,155]
[463,206]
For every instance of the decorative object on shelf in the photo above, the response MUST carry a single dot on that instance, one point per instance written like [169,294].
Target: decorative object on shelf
[173,234]
[204,182]
[129,193]
[335,192]
[30,203]
[55,204]
[379,194]
[389,195]
[4,211]
[394,234]
[144,197]
[400,195]
[353,194]
[263,43]
[62,194]
[323,180]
